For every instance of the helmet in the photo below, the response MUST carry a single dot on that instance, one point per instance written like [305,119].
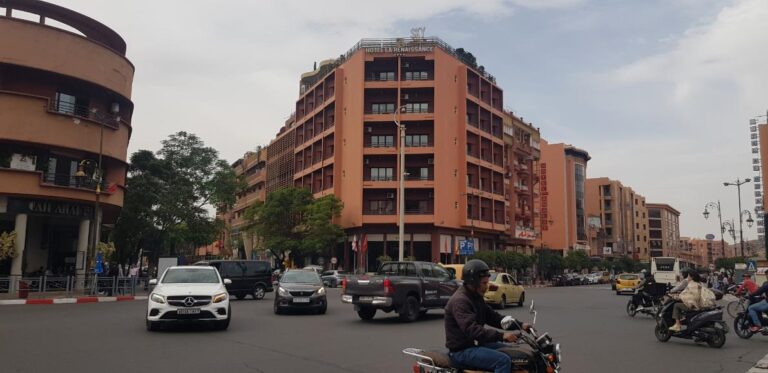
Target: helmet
[474,271]
[643,271]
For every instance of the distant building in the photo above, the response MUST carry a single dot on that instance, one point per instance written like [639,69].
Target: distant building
[664,229]
[623,220]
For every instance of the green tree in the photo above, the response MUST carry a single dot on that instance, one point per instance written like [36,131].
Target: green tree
[291,220]
[576,260]
[550,262]
[168,197]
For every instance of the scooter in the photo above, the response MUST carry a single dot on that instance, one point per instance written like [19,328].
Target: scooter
[648,304]
[535,353]
[700,325]
[742,323]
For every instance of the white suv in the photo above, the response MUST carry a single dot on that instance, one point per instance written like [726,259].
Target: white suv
[189,293]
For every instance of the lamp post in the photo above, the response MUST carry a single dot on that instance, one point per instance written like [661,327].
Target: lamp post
[712,205]
[738,185]
[401,191]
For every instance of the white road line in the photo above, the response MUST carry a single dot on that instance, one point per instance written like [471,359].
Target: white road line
[761,366]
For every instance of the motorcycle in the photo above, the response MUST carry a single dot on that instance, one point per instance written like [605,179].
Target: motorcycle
[535,353]
[742,323]
[701,325]
[647,301]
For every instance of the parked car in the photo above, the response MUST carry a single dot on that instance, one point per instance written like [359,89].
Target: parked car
[318,269]
[454,269]
[252,277]
[408,288]
[503,290]
[333,278]
[594,278]
[189,293]
[300,289]
[627,282]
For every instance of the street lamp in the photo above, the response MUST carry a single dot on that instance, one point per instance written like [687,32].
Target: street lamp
[401,191]
[738,185]
[712,205]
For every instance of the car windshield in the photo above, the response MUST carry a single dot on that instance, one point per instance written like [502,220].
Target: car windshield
[628,277]
[190,276]
[300,277]
[493,276]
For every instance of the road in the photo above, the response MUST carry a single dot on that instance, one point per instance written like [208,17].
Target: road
[589,322]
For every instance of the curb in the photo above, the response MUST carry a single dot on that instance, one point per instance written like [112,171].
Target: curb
[761,366]
[78,300]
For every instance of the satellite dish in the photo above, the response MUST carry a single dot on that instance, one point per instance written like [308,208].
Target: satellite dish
[710,236]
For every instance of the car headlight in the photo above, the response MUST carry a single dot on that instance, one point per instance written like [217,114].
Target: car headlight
[321,291]
[157,298]
[282,291]
[219,297]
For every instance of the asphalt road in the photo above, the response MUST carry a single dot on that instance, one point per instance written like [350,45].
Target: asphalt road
[589,322]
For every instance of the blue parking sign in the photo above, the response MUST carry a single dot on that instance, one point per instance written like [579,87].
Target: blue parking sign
[466,247]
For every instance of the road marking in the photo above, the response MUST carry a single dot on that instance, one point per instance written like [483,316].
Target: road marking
[761,366]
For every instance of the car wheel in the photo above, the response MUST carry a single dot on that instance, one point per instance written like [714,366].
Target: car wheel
[323,309]
[366,313]
[259,291]
[503,302]
[522,300]
[240,296]
[410,310]
[423,313]
[277,309]
[224,324]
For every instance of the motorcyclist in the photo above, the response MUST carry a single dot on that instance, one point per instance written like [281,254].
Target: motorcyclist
[643,295]
[466,314]
[685,274]
[756,309]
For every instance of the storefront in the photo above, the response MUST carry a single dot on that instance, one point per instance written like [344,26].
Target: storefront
[52,235]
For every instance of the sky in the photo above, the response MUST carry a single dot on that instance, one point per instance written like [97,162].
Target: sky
[659,92]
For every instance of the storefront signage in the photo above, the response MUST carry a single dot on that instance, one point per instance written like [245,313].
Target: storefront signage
[50,208]
[544,196]
[525,233]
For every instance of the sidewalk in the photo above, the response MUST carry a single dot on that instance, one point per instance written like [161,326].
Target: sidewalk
[761,366]
[70,300]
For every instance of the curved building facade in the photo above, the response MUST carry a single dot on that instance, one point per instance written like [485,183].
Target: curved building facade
[65,124]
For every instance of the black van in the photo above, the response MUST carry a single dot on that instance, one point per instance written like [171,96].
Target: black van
[252,277]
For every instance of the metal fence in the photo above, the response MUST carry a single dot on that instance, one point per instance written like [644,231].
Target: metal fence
[65,286]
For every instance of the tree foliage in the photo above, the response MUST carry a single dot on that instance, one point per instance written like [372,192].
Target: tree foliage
[291,220]
[729,263]
[168,197]
[506,260]
[576,260]
[550,262]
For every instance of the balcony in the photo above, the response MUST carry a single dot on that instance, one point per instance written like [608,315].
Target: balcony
[419,211]
[36,183]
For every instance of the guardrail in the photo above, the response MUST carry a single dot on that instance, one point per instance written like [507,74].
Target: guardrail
[58,286]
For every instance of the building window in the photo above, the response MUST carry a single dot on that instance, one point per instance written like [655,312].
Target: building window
[579,176]
[381,207]
[382,108]
[416,75]
[417,140]
[382,174]
[416,107]
[382,141]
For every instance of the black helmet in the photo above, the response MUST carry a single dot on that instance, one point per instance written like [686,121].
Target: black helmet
[474,271]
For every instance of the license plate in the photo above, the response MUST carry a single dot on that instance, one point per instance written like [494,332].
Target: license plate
[366,299]
[188,311]
[301,300]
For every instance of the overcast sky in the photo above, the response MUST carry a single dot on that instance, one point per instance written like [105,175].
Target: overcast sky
[659,92]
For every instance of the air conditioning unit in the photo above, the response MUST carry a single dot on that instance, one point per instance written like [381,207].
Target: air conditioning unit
[430,161]
[369,129]
[390,195]
[405,96]
[431,195]
[367,160]
[405,64]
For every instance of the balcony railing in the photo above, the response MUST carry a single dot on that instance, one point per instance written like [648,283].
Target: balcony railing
[379,212]
[418,211]
[72,181]
[379,178]
[419,177]
[84,112]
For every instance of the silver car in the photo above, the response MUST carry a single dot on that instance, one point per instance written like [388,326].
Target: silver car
[333,278]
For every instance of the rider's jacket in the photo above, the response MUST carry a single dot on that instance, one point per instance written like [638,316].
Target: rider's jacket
[763,290]
[465,316]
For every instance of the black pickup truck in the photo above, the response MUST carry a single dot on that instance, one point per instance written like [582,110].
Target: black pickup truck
[408,288]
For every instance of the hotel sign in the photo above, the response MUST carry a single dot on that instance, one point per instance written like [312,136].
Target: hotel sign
[400,50]
[544,198]
[525,233]
[50,208]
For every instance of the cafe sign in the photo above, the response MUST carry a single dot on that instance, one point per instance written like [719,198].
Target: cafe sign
[50,208]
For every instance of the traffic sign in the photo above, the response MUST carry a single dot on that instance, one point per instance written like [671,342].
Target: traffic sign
[751,266]
[466,247]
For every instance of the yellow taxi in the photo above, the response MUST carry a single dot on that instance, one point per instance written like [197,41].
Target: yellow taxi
[454,268]
[503,290]
[627,282]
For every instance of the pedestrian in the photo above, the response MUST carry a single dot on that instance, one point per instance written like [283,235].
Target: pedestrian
[112,273]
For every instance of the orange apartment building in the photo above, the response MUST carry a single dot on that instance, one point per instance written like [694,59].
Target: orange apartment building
[521,153]
[663,229]
[345,142]
[759,139]
[562,219]
[65,103]
[621,225]
[253,168]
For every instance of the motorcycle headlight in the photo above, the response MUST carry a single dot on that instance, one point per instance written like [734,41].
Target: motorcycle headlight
[282,291]
[321,291]
[157,298]
[219,297]
[558,354]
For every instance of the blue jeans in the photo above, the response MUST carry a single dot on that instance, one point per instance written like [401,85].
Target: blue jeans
[484,357]
[755,310]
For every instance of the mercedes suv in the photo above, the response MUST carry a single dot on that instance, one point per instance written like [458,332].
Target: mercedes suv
[189,293]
